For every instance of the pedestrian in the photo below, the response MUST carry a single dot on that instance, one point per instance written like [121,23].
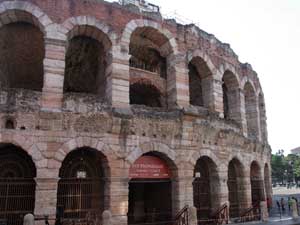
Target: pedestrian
[269,203]
[290,203]
[282,205]
[278,205]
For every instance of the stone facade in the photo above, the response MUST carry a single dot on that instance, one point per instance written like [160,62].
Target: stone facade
[227,125]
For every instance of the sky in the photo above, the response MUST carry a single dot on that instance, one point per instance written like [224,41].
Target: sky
[266,34]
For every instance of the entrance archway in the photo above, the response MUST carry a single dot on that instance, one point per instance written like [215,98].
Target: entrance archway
[236,188]
[151,189]
[17,185]
[81,189]
[257,184]
[205,187]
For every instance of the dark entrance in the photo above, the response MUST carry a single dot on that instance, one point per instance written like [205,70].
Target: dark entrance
[205,188]
[150,191]
[257,187]
[17,185]
[81,188]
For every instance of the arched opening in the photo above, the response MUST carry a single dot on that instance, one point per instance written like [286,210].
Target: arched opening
[257,184]
[262,117]
[17,185]
[205,187]
[150,50]
[82,185]
[251,110]
[145,94]
[231,98]
[236,188]
[199,82]
[151,188]
[21,61]
[86,62]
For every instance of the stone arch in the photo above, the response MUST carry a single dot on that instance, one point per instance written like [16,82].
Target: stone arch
[21,62]
[251,110]
[231,96]
[257,183]
[14,11]
[205,152]
[25,143]
[91,27]
[152,50]
[139,23]
[202,72]
[92,40]
[137,152]
[237,187]
[206,187]
[17,182]
[80,142]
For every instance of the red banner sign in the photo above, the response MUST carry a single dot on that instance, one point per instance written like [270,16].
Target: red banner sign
[149,167]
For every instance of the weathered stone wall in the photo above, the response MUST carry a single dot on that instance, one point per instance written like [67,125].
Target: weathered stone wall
[49,124]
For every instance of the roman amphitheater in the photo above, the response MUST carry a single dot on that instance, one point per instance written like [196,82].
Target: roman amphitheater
[111,114]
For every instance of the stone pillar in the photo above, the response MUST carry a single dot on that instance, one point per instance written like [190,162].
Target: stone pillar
[45,198]
[119,193]
[243,120]
[177,82]
[192,215]
[221,192]
[217,97]
[118,79]
[182,193]
[264,211]
[54,68]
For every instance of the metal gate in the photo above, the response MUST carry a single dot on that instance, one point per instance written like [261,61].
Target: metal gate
[201,189]
[17,198]
[80,200]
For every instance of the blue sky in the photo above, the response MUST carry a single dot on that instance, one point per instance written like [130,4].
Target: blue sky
[266,34]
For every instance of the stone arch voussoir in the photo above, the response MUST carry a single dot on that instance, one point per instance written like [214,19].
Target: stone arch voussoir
[10,11]
[77,25]
[205,57]
[134,24]
[228,67]
[208,153]
[150,147]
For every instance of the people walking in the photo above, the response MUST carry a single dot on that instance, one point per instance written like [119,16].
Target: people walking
[282,205]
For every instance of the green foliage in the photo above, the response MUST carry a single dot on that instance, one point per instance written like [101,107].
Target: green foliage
[285,168]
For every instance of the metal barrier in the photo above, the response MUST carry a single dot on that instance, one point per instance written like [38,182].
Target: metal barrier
[182,217]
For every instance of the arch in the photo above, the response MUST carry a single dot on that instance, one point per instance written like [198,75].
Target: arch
[88,52]
[201,75]
[251,109]
[137,152]
[91,27]
[206,187]
[152,51]
[171,45]
[83,184]
[27,144]
[142,93]
[204,153]
[231,96]
[257,184]
[15,11]
[17,184]
[152,198]
[237,187]
[81,142]
[22,23]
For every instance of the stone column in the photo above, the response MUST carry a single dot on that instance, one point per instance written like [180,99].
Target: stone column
[54,68]
[45,198]
[177,82]
[119,193]
[243,120]
[182,193]
[118,78]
